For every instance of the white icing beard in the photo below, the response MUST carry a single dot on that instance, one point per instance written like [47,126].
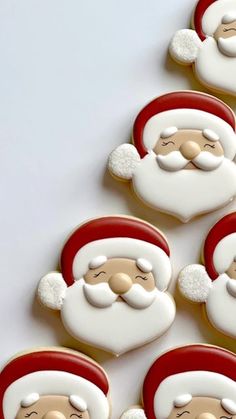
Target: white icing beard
[119,327]
[214,68]
[184,193]
[227,46]
[102,296]
[221,306]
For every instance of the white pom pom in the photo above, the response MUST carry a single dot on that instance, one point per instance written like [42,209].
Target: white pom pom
[184,46]
[52,290]
[134,413]
[194,283]
[123,161]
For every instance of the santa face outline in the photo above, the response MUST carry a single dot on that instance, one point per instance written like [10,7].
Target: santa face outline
[52,407]
[189,149]
[184,145]
[112,284]
[201,408]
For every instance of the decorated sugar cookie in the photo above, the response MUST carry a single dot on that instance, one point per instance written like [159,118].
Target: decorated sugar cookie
[53,383]
[214,284]
[196,381]
[211,46]
[181,160]
[111,291]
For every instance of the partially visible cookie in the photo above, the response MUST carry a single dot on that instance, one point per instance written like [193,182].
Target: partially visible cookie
[210,47]
[53,383]
[214,284]
[181,161]
[195,381]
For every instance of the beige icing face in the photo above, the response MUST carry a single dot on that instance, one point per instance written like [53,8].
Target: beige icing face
[201,408]
[121,274]
[225,30]
[190,143]
[51,407]
[231,272]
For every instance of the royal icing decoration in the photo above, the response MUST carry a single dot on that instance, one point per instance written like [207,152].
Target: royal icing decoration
[210,47]
[214,284]
[115,272]
[184,145]
[207,373]
[53,379]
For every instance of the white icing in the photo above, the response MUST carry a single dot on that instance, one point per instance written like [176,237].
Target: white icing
[194,283]
[29,400]
[144,265]
[221,308]
[137,297]
[215,13]
[214,69]
[125,247]
[114,328]
[196,383]
[78,403]
[228,46]
[134,413]
[184,46]
[229,406]
[55,383]
[123,161]
[182,400]
[51,290]
[229,18]
[175,161]
[231,287]
[224,253]
[210,135]
[97,261]
[207,161]
[190,119]
[184,193]
[168,132]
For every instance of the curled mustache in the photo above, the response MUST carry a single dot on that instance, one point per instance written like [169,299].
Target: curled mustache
[176,161]
[101,295]
[228,46]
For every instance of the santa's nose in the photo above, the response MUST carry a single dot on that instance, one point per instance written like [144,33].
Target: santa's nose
[54,414]
[190,150]
[206,415]
[120,283]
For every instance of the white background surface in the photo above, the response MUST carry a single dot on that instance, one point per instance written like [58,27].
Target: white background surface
[73,76]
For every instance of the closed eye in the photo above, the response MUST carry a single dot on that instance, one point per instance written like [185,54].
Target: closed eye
[210,145]
[164,143]
[99,273]
[180,414]
[30,414]
[229,29]
[74,414]
[226,417]
[142,277]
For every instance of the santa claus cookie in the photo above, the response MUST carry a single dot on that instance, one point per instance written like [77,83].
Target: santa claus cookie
[114,275]
[53,383]
[211,46]
[196,381]
[183,147]
[214,284]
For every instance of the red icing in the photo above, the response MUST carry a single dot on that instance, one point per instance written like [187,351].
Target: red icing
[51,361]
[224,227]
[103,228]
[179,100]
[188,358]
[201,8]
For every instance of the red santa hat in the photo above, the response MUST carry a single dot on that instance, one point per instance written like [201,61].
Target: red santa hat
[120,237]
[182,373]
[53,372]
[220,246]
[209,14]
[185,110]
